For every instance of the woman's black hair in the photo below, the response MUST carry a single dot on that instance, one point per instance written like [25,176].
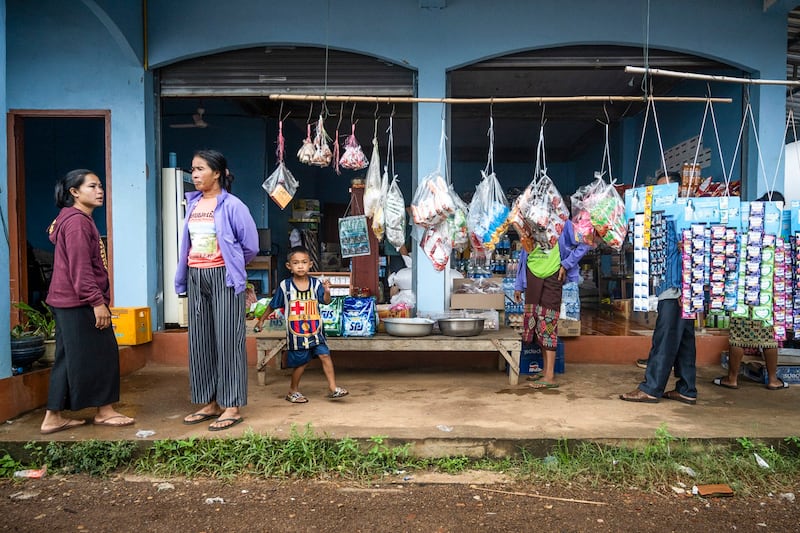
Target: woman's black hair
[774,196]
[73,178]
[217,162]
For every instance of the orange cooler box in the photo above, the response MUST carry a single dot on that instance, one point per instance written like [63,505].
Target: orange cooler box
[131,325]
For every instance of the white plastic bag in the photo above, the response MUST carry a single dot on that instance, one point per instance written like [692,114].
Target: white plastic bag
[372,187]
[394,210]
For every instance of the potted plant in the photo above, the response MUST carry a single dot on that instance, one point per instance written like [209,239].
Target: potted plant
[32,338]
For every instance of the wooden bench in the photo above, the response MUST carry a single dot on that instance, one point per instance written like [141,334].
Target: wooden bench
[506,342]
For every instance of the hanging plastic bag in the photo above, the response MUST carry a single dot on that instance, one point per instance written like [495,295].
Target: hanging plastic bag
[394,205]
[432,202]
[437,246]
[281,185]
[394,210]
[457,226]
[488,215]
[354,236]
[372,187]
[378,217]
[488,212]
[353,157]
[322,153]
[306,152]
[607,212]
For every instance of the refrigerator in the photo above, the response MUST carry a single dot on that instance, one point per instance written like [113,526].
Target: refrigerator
[175,182]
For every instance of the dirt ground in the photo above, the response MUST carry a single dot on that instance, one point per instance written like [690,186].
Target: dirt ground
[128,504]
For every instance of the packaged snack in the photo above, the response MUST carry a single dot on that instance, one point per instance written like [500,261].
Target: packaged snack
[332,316]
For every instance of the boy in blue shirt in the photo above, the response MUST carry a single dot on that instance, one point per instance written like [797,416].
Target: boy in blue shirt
[299,296]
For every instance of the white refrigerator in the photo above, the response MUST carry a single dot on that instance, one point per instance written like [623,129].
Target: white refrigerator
[174,184]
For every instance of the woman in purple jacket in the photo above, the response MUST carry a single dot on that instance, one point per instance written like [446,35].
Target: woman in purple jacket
[86,368]
[542,289]
[219,239]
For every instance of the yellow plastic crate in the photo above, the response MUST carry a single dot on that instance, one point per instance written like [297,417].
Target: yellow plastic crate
[131,325]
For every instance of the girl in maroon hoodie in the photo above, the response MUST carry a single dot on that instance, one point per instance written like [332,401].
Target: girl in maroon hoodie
[86,368]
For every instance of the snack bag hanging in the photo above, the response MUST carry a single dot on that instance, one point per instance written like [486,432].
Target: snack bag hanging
[457,226]
[322,153]
[372,187]
[353,158]
[378,222]
[394,210]
[432,202]
[488,215]
[306,152]
[281,185]
[436,244]
[606,211]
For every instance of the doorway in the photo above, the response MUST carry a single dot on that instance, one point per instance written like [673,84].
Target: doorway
[44,145]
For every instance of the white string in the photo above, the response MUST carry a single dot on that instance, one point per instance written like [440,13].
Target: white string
[443,154]
[658,135]
[390,150]
[490,160]
[700,136]
[758,149]
[789,119]
[738,141]
[606,158]
[541,166]
[725,175]
[641,145]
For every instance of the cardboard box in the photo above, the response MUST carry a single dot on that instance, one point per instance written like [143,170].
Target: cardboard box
[475,301]
[531,360]
[622,308]
[569,328]
[385,311]
[131,325]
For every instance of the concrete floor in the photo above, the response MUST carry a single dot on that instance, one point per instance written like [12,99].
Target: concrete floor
[446,411]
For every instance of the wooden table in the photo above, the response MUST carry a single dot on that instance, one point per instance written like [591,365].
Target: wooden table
[506,342]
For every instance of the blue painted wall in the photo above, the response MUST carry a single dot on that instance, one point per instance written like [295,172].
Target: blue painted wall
[61,55]
[88,54]
[5,295]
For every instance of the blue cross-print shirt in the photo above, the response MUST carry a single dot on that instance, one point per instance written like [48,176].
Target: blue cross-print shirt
[304,328]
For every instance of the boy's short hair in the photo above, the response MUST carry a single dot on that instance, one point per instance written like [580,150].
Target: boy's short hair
[297,250]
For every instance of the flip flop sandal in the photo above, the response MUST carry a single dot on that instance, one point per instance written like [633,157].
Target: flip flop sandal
[229,423]
[678,397]
[296,397]
[106,422]
[338,393]
[638,396]
[69,424]
[202,417]
[535,377]
[718,382]
[542,384]
[782,386]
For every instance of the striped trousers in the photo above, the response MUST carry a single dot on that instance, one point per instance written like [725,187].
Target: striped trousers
[217,356]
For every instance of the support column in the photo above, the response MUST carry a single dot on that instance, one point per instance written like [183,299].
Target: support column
[429,285]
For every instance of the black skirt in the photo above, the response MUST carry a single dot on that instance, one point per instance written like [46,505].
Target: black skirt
[86,368]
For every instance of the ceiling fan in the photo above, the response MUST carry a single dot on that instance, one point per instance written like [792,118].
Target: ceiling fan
[197,121]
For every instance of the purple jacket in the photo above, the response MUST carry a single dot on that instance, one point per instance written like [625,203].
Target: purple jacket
[236,234]
[571,251]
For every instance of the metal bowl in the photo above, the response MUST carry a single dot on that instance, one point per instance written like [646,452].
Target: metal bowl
[461,327]
[408,327]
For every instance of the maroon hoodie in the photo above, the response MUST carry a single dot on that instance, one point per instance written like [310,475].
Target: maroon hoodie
[80,276]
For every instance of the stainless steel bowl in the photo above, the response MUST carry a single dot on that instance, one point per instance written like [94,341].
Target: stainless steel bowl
[461,327]
[408,327]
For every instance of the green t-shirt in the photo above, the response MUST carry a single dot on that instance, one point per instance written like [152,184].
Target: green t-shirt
[544,263]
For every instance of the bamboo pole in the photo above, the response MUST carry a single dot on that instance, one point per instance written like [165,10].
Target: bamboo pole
[513,100]
[706,77]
